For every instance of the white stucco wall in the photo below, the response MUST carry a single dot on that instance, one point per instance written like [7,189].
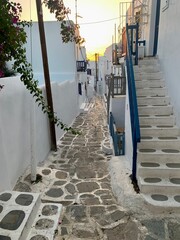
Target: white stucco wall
[15,131]
[148,29]
[15,126]
[128,132]
[108,55]
[65,99]
[102,66]
[169,51]
[118,110]
[81,53]
[61,56]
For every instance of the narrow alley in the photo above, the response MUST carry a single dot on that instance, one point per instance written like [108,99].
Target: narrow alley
[77,176]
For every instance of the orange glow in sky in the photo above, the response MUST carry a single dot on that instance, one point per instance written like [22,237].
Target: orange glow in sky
[98,36]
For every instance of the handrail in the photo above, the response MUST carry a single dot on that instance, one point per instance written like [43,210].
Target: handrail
[132,102]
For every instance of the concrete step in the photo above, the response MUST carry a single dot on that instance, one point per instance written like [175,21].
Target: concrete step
[46,222]
[159,131]
[157,120]
[153,100]
[150,83]
[151,92]
[151,61]
[155,110]
[147,68]
[159,185]
[158,172]
[147,76]
[169,202]
[171,160]
[23,216]
[160,144]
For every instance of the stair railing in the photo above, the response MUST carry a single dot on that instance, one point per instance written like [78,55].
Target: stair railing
[135,128]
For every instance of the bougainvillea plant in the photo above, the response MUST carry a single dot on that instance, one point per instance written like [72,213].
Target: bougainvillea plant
[12,35]
[12,40]
[69,30]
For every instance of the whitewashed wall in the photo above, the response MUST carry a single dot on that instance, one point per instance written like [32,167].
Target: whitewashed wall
[118,110]
[15,127]
[128,132]
[169,51]
[61,56]
[108,55]
[150,28]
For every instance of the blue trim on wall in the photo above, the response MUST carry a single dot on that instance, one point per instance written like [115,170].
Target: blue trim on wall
[156,31]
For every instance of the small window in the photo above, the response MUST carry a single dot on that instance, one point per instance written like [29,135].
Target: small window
[165,4]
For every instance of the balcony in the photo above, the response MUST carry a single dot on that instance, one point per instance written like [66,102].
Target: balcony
[116,85]
[81,66]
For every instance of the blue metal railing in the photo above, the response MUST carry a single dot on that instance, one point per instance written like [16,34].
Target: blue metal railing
[118,138]
[133,44]
[132,94]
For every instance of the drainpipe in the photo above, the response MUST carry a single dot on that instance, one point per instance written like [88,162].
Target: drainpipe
[96,65]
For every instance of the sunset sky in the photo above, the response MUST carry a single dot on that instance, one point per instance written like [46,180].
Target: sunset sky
[97,24]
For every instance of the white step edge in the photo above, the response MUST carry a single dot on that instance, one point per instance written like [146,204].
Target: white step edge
[48,233]
[170,204]
[161,157]
[30,212]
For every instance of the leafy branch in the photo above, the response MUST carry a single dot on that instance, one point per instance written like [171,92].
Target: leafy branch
[69,30]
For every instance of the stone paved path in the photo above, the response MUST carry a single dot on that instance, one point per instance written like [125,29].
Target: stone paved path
[77,176]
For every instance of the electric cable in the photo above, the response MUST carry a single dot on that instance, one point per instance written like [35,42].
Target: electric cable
[102,21]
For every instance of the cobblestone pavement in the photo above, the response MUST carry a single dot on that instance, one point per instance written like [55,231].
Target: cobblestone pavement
[77,176]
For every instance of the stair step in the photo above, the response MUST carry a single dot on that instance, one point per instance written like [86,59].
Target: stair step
[18,213]
[159,157]
[153,100]
[158,172]
[157,120]
[159,131]
[150,84]
[47,215]
[22,213]
[163,187]
[161,200]
[147,68]
[159,185]
[146,76]
[160,144]
[145,61]
[155,110]
[151,92]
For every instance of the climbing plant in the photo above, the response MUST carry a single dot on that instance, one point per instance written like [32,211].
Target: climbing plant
[12,40]
[69,31]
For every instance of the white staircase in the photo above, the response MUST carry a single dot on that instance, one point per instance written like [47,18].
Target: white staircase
[159,150]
